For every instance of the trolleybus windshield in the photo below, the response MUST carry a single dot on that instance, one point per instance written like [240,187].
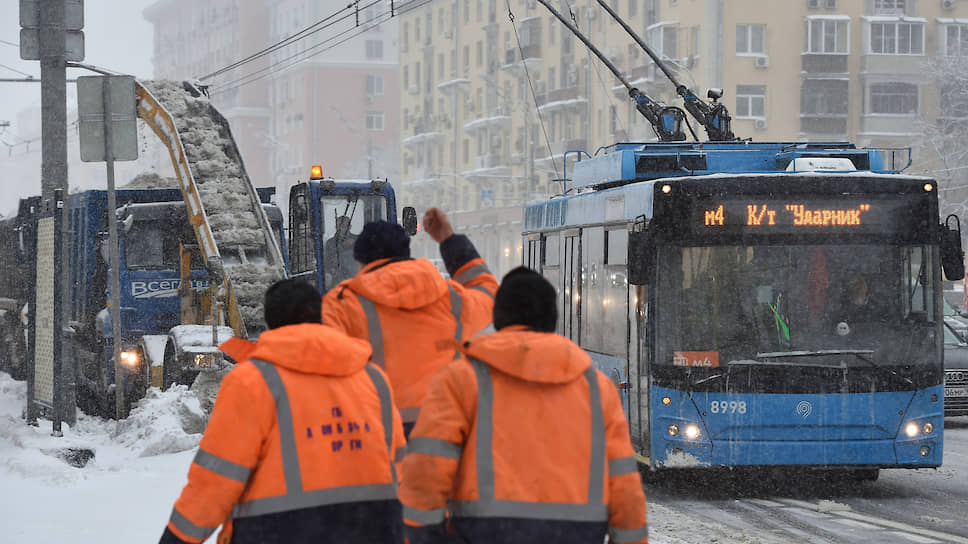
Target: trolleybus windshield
[774,308]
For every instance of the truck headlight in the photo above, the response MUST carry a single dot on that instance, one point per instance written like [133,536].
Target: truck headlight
[130,359]
[204,360]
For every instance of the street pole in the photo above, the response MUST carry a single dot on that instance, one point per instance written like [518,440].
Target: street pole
[115,254]
[53,99]
[53,175]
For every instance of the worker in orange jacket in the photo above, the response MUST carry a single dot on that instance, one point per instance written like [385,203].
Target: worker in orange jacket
[301,443]
[408,312]
[521,440]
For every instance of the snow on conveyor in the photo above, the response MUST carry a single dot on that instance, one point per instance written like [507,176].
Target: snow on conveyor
[226,194]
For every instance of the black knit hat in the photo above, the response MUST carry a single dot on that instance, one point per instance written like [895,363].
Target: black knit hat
[526,298]
[290,302]
[381,240]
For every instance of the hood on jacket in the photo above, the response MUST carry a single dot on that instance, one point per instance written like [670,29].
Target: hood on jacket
[541,357]
[408,285]
[313,349]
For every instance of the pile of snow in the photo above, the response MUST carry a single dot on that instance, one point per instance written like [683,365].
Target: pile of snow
[163,422]
[227,195]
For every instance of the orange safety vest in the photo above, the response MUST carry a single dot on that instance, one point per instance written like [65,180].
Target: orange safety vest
[304,423]
[523,432]
[412,316]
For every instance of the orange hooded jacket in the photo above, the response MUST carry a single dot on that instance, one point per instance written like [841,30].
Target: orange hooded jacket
[412,316]
[523,436]
[303,424]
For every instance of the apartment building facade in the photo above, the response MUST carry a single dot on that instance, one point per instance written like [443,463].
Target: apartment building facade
[329,97]
[491,106]
[193,38]
[334,96]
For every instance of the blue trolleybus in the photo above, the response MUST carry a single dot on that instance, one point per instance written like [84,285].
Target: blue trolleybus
[757,304]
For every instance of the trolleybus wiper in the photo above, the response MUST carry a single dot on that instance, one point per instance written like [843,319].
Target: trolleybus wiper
[713,117]
[666,120]
[862,354]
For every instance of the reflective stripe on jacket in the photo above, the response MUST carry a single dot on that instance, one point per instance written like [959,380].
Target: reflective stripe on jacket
[522,435]
[292,439]
[412,317]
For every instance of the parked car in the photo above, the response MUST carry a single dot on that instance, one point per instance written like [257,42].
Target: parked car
[955,318]
[955,373]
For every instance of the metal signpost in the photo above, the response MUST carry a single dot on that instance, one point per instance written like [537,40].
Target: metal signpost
[107,121]
[51,33]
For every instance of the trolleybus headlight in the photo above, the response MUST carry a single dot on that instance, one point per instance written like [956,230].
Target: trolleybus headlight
[692,432]
[666,189]
[911,429]
[928,187]
[673,430]
[666,400]
[925,451]
[130,359]
[928,428]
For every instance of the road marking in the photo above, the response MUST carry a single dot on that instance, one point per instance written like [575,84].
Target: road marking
[859,524]
[765,502]
[916,538]
[891,524]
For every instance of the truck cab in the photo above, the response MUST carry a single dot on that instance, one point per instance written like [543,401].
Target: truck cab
[154,228]
[325,218]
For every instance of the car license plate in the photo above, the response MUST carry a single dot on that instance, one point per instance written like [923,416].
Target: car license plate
[956,391]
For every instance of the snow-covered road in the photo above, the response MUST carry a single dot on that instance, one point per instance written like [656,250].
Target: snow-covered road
[126,492]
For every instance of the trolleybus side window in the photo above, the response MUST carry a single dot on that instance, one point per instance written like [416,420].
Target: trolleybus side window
[593,281]
[552,269]
[615,331]
[571,276]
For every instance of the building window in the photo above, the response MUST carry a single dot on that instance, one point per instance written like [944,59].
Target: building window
[374,84]
[406,77]
[889,7]
[633,8]
[374,120]
[750,39]
[894,98]
[827,36]
[480,54]
[955,40]
[374,49]
[664,38]
[612,120]
[750,101]
[897,38]
[823,98]
[405,39]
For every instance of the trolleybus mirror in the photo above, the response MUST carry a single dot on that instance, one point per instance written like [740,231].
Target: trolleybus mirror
[952,255]
[639,258]
[410,220]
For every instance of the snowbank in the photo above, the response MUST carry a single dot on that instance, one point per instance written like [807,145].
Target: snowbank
[163,422]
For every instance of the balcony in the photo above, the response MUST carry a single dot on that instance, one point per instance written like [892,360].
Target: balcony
[819,63]
[422,138]
[487,167]
[886,124]
[530,52]
[497,122]
[892,64]
[454,85]
[567,98]
[824,125]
